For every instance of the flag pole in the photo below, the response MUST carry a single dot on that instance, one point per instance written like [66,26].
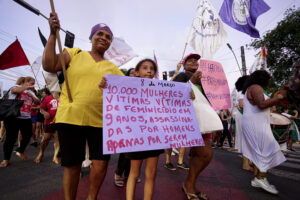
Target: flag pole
[184,49]
[35,77]
[44,78]
[61,56]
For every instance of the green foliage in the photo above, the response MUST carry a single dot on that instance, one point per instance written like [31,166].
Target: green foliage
[283,48]
[39,93]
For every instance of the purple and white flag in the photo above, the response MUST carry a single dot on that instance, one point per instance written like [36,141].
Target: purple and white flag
[242,14]
[119,52]
[207,33]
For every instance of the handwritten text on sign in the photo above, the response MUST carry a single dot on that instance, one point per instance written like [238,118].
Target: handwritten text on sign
[215,84]
[146,114]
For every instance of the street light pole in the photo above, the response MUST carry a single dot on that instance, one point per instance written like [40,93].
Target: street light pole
[243,61]
[235,58]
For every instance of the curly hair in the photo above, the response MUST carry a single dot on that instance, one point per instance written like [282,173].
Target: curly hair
[240,82]
[144,60]
[259,77]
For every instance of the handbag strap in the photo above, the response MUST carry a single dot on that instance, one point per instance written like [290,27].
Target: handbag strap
[6,95]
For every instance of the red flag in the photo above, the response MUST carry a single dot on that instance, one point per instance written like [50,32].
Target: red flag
[13,56]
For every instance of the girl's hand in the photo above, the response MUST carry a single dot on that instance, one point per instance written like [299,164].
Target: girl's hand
[103,83]
[192,95]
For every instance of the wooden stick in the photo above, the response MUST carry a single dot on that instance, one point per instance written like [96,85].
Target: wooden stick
[61,56]
[178,68]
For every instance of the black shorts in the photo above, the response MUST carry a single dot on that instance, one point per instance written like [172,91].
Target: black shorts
[40,117]
[49,128]
[141,155]
[72,140]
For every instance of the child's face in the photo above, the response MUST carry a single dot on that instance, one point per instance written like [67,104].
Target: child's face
[146,70]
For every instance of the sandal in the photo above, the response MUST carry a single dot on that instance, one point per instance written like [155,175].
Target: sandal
[4,163]
[119,181]
[190,196]
[202,196]
[22,156]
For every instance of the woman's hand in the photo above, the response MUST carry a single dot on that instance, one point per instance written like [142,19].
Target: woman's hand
[54,23]
[46,115]
[282,98]
[295,111]
[103,83]
[196,77]
[29,94]
[178,66]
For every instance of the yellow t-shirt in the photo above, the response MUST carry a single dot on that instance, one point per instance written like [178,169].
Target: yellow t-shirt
[84,76]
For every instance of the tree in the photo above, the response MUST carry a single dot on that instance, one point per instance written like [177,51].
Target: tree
[283,48]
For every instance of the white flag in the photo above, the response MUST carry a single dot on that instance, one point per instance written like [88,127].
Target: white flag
[260,61]
[36,65]
[119,52]
[51,81]
[207,34]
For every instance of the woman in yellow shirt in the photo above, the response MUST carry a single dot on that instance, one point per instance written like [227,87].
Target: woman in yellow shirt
[81,120]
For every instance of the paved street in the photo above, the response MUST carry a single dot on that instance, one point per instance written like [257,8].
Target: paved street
[223,179]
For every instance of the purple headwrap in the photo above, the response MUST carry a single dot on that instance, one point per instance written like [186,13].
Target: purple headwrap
[99,27]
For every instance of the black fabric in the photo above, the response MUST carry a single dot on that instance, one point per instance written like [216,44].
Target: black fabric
[43,39]
[225,134]
[183,77]
[12,127]
[72,140]
[10,108]
[123,166]
[40,117]
[141,155]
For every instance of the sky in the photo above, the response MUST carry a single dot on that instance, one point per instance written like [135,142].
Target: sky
[159,26]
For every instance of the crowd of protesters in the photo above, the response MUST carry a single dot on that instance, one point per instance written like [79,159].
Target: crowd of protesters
[78,124]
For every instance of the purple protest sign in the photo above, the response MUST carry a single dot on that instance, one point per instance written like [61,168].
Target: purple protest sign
[146,114]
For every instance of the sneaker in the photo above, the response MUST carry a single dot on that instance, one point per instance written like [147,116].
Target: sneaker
[264,184]
[119,180]
[170,166]
[291,149]
[175,151]
[183,166]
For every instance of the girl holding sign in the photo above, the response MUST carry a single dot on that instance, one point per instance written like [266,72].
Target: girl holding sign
[146,68]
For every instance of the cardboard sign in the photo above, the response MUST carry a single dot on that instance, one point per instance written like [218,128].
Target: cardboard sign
[215,84]
[145,114]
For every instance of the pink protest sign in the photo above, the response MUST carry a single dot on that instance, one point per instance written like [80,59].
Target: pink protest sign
[146,114]
[215,84]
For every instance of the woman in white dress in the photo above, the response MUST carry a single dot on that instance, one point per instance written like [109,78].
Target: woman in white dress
[238,114]
[259,144]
